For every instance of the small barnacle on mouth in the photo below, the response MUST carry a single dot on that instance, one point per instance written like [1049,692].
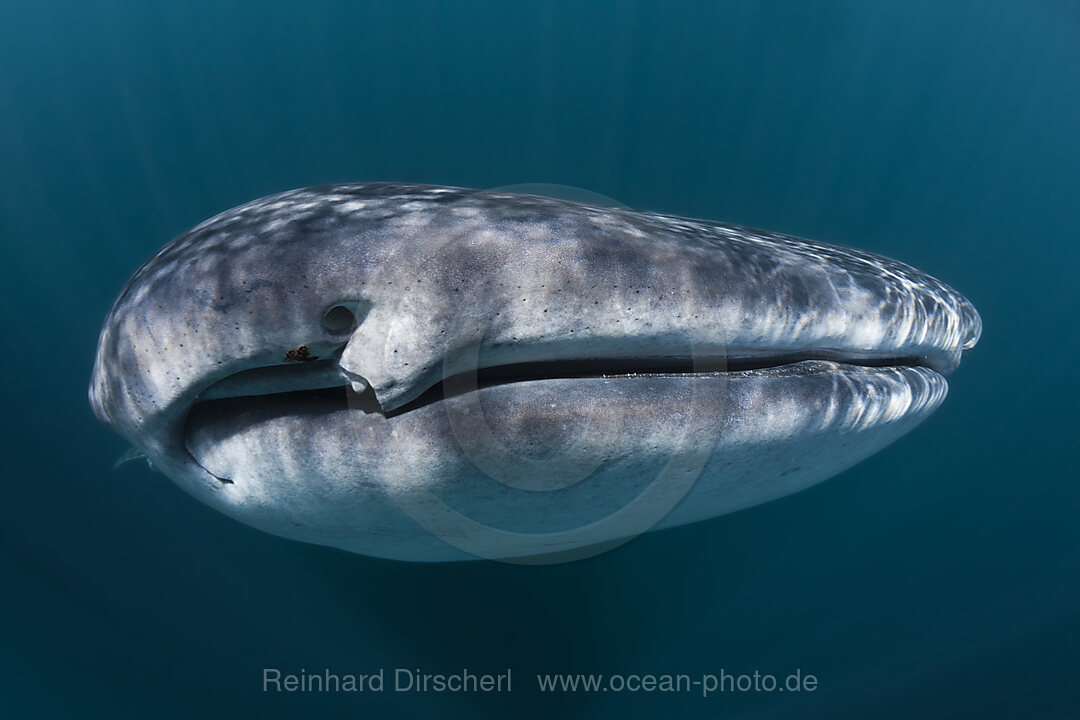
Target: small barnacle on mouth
[299,354]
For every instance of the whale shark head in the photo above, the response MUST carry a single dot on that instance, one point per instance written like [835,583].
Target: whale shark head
[434,373]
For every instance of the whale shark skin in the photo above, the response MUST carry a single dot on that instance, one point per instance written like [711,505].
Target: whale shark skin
[432,373]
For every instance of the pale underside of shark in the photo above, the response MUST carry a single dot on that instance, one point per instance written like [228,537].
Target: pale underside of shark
[431,373]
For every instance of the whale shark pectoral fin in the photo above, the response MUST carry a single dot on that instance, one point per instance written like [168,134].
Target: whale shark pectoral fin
[133,453]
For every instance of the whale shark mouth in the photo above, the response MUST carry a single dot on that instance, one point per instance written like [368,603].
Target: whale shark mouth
[318,394]
[323,379]
[318,389]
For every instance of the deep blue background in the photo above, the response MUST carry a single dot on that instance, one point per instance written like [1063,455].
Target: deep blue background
[941,578]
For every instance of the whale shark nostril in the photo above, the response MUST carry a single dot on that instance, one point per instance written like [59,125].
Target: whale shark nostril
[338,320]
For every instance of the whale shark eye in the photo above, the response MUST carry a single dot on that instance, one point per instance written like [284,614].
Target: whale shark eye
[339,319]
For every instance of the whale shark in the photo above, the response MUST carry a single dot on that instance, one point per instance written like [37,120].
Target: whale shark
[433,373]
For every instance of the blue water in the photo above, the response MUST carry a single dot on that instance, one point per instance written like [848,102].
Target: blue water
[939,579]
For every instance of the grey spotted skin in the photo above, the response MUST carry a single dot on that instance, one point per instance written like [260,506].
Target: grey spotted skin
[608,343]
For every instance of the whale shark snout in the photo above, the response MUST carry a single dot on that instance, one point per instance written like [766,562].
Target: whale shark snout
[431,373]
